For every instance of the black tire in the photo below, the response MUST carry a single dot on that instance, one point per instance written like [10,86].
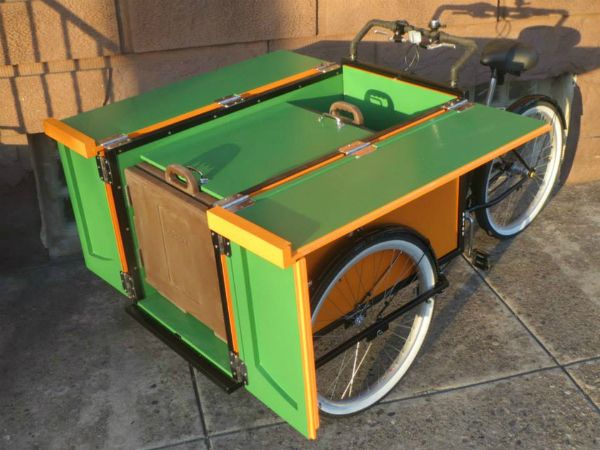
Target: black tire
[410,248]
[535,191]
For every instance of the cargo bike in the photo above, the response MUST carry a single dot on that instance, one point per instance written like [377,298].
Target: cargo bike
[288,237]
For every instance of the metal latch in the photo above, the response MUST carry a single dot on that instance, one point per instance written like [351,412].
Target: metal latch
[129,285]
[104,169]
[236,202]
[458,105]
[238,368]
[114,141]
[230,100]
[358,148]
[327,66]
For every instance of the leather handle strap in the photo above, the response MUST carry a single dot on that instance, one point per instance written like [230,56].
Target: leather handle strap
[181,178]
[353,110]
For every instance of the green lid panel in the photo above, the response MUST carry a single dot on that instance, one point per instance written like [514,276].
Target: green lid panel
[155,106]
[253,148]
[327,199]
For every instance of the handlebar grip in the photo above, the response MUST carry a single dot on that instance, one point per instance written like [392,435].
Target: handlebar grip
[470,47]
[390,25]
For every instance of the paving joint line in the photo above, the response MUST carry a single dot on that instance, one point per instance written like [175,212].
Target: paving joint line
[583,361]
[199,405]
[468,386]
[241,430]
[532,334]
[426,394]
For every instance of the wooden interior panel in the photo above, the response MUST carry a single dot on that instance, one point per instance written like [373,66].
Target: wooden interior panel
[176,247]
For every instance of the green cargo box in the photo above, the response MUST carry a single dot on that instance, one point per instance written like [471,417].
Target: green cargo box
[273,184]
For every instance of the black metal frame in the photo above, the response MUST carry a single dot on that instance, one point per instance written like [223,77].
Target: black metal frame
[381,325]
[118,193]
[182,349]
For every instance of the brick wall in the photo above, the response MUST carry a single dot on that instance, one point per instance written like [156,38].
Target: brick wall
[60,57]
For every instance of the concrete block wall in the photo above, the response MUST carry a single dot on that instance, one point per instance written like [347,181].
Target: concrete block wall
[60,57]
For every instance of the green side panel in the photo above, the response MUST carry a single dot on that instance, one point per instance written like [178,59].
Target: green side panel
[316,204]
[90,206]
[253,148]
[264,302]
[191,331]
[161,104]
[385,101]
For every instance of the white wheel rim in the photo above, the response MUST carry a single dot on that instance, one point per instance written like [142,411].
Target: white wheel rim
[548,182]
[412,345]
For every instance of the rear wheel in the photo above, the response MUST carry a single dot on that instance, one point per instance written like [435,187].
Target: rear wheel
[535,165]
[375,277]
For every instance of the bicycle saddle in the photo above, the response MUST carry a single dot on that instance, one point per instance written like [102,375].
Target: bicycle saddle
[509,56]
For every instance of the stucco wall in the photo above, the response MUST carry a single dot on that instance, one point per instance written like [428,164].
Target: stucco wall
[60,57]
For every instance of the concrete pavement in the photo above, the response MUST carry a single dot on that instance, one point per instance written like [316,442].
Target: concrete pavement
[512,360]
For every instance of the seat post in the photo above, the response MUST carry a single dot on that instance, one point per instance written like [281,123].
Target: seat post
[492,87]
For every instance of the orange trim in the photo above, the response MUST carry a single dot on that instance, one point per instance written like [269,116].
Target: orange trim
[373,215]
[174,120]
[115,222]
[258,240]
[234,340]
[70,137]
[410,125]
[306,347]
[87,146]
[214,106]
[281,82]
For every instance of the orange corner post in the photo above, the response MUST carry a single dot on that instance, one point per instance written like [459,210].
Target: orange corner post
[306,347]
[253,237]
[70,137]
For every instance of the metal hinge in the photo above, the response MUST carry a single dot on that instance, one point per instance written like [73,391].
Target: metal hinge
[238,368]
[458,105]
[230,100]
[104,169]
[221,244]
[235,202]
[327,66]
[129,285]
[357,148]
[115,141]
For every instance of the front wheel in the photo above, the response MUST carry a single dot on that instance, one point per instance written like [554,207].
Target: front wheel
[378,275]
[534,168]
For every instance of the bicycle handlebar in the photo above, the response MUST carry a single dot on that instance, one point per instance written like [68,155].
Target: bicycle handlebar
[433,36]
